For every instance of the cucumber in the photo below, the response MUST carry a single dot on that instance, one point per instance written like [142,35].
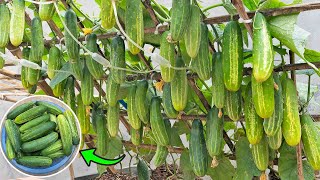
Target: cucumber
[133,117]
[157,123]
[232,56]
[17,22]
[52,109]
[56,155]
[192,36]
[34,122]
[161,155]
[73,126]
[56,146]
[113,116]
[260,154]
[136,136]
[54,61]
[262,51]
[53,118]
[65,134]
[87,86]
[106,14]
[112,90]
[179,86]
[275,141]
[9,149]
[201,63]
[311,141]
[39,144]
[95,68]
[102,134]
[71,45]
[254,123]
[46,11]
[180,16]
[167,51]
[142,105]
[30,114]
[4,25]
[59,88]
[13,135]
[33,75]
[38,131]
[34,161]
[2,61]
[233,104]
[24,70]
[167,102]
[69,94]
[134,24]
[117,59]
[83,116]
[19,110]
[214,132]
[291,128]
[263,97]
[198,150]
[218,89]
[273,124]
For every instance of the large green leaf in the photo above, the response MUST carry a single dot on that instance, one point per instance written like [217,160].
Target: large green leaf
[246,168]
[251,4]
[65,72]
[224,170]
[288,164]
[312,55]
[115,147]
[143,171]
[269,4]
[175,139]
[185,166]
[181,127]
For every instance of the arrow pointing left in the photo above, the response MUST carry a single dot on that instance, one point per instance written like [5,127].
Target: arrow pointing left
[89,156]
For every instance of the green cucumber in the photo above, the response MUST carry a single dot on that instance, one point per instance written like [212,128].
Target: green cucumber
[34,161]
[87,86]
[4,25]
[54,61]
[179,86]
[117,59]
[9,149]
[17,22]
[113,116]
[262,51]
[134,24]
[34,123]
[65,134]
[133,117]
[157,123]
[95,68]
[263,97]
[218,89]
[30,114]
[59,88]
[69,96]
[39,144]
[260,154]
[161,155]
[214,132]
[233,104]
[198,150]
[180,16]
[142,105]
[291,128]
[136,136]
[38,131]
[112,90]
[19,110]
[73,126]
[106,14]
[13,135]
[56,155]
[275,141]
[167,102]
[46,11]
[53,118]
[24,70]
[71,45]
[83,116]
[102,133]
[52,109]
[167,51]
[232,56]
[56,146]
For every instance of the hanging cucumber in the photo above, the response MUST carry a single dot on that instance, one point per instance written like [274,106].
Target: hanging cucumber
[117,58]
[161,155]
[133,117]
[273,124]
[24,70]
[218,89]
[134,24]
[142,105]
[263,97]
[214,132]
[4,25]
[233,105]
[232,56]
[260,154]
[54,61]
[180,15]
[198,151]
[87,86]
[94,67]
[69,96]
[83,116]
[262,51]
[167,51]
[157,123]
[179,86]
[291,128]
[17,22]
[136,136]
[46,11]
[106,14]
[2,62]
[275,141]
[112,91]
[113,119]
[102,134]
[254,123]
[167,102]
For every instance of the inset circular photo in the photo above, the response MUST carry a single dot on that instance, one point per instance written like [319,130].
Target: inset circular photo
[40,136]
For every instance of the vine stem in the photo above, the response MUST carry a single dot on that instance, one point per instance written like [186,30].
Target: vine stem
[309,87]
[211,7]
[161,8]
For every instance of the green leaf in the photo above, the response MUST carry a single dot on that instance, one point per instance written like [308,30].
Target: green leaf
[251,4]
[280,51]
[246,167]
[115,147]
[175,139]
[312,55]
[224,170]
[143,171]
[60,76]
[181,127]
[288,164]
[185,166]
[228,126]
[227,4]
[269,4]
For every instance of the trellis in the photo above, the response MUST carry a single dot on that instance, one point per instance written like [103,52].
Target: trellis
[42,84]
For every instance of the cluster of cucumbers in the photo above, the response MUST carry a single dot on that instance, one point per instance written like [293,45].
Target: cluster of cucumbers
[37,133]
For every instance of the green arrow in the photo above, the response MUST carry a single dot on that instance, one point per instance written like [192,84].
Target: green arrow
[89,156]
